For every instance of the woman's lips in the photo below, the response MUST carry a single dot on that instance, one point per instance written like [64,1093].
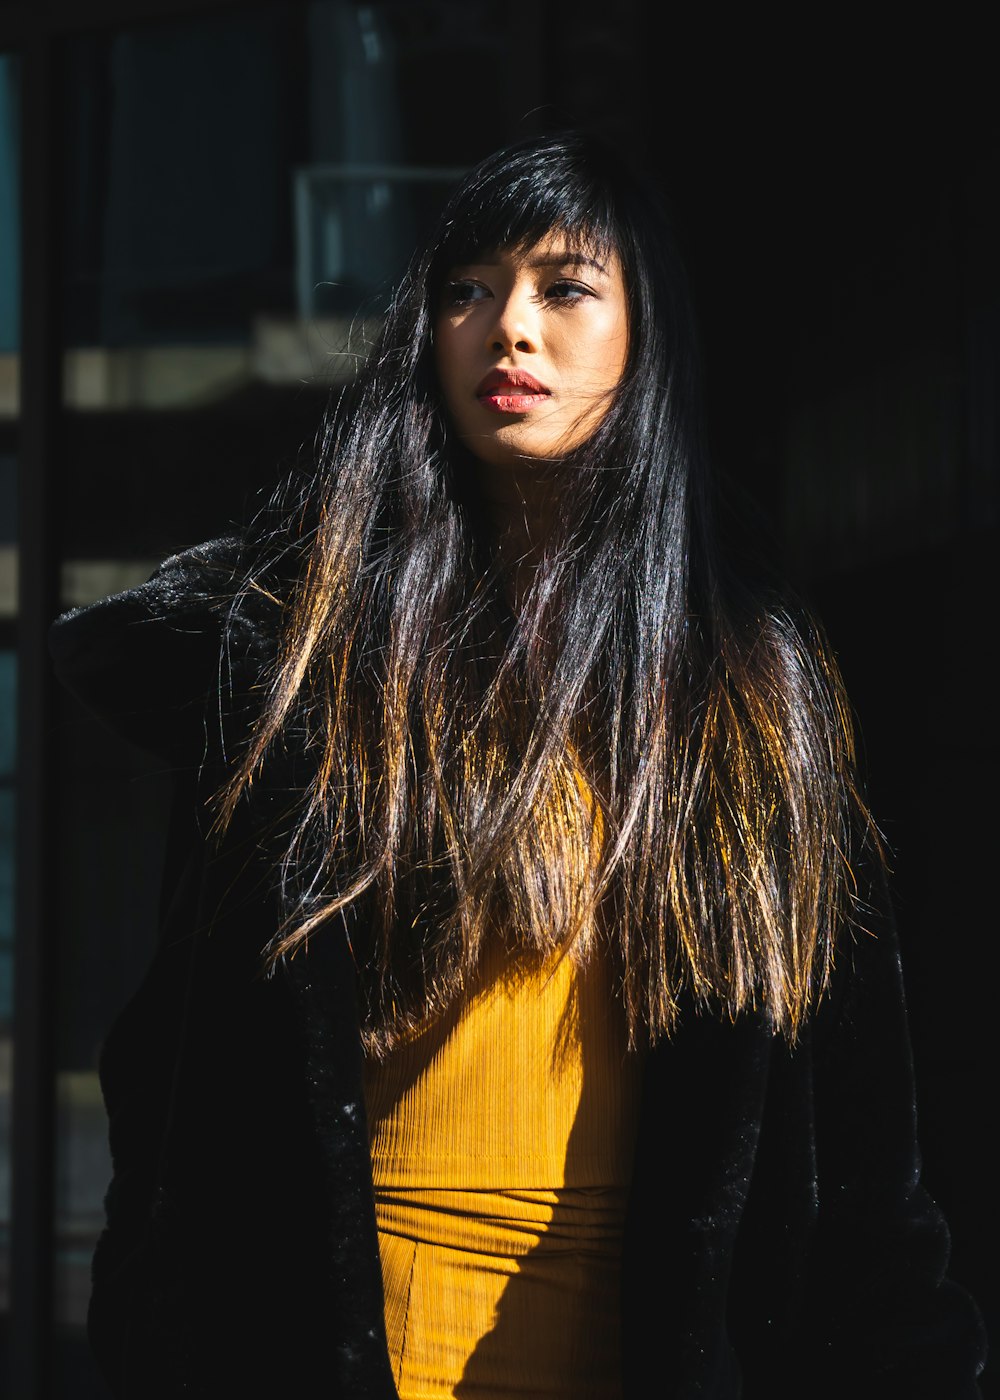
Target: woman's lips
[511,391]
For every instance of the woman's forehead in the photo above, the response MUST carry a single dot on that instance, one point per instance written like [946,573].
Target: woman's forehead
[555,245]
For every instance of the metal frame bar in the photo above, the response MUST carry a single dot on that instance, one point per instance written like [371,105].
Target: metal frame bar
[33,1166]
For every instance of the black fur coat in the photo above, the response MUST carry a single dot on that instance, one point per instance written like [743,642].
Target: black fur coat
[779,1243]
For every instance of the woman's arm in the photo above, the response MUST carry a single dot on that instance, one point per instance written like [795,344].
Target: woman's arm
[780,1244]
[868,1308]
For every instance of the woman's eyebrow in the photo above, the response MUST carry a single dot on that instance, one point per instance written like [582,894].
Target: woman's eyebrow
[560,259]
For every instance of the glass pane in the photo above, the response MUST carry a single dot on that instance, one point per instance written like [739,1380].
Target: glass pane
[8,539]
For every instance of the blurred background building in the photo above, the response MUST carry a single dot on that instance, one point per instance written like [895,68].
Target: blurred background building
[202,209]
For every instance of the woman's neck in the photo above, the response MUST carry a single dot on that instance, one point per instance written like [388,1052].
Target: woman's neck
[521,504]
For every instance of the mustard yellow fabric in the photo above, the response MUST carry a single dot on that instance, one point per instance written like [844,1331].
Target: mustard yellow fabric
[502,1140]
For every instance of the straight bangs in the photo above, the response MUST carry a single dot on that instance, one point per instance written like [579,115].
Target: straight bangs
[517,198]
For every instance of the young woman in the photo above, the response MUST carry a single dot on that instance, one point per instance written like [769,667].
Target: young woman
[527,1018]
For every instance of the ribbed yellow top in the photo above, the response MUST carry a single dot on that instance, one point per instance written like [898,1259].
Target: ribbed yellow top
[502,1139]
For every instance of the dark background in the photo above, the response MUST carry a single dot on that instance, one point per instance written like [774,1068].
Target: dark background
[835,189]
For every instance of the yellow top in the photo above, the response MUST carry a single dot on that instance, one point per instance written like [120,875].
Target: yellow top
[502,1140]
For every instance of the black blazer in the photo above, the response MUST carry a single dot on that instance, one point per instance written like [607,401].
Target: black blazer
[778,1242]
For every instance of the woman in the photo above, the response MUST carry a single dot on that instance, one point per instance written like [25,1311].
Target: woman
[527,1017]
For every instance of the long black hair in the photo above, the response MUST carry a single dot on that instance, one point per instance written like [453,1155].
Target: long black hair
[645,754]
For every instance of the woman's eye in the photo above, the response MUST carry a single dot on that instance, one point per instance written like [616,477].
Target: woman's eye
[566,290]
[463,293]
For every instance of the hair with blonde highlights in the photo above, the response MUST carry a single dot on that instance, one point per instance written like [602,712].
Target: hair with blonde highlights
[647,751]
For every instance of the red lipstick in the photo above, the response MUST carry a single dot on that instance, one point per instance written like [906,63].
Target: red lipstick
[511,391]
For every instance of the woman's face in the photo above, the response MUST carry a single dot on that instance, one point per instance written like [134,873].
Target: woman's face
[530,346]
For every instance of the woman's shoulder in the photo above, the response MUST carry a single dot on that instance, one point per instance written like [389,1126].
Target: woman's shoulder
[145,660]
[195,578]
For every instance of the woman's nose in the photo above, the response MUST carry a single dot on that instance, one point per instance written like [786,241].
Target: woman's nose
[515,327]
